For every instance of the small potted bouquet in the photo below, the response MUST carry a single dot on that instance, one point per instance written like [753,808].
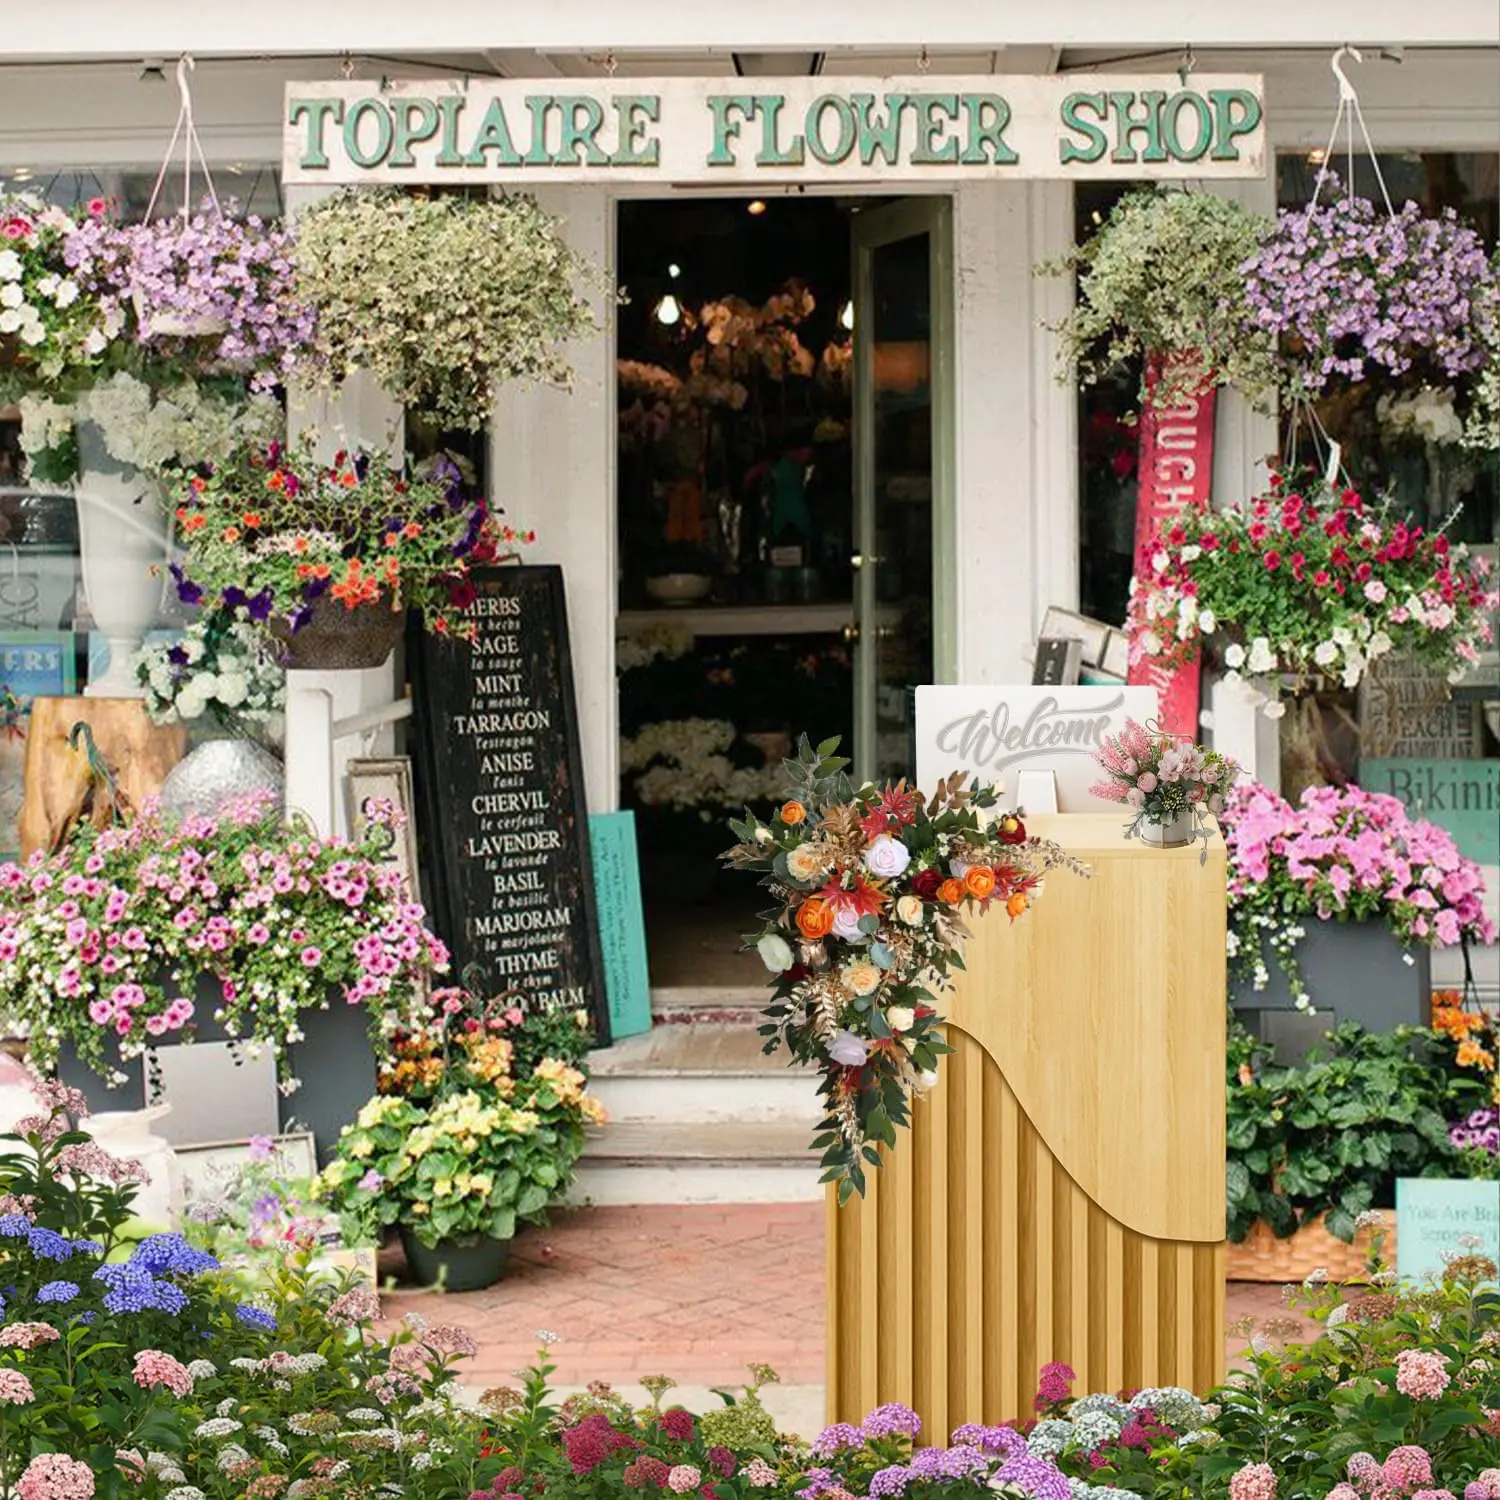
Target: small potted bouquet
[330,557]
[870,890]
[222,669]
[1169,784]
[482,1114]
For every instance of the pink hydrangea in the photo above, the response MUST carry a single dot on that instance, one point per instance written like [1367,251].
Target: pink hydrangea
[1253,1482]
[1407,1468]
[55,1476]
[27,1335]
[1344,1491]
[153,1368]
[1421,1375]
[15,1388]
[684,1479]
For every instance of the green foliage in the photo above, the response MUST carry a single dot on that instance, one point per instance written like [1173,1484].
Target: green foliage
[1332,1135]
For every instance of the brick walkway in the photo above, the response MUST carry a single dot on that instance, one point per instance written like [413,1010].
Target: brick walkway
[695,1293]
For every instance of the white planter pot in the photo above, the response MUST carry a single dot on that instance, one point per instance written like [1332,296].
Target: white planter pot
[127,1134]
[1173,833]
[122,535]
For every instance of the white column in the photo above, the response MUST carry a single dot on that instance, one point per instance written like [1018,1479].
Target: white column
[1017,485]
[552,468]
[357,415]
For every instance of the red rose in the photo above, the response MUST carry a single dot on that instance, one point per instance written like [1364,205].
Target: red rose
[926,884]
[1010,830]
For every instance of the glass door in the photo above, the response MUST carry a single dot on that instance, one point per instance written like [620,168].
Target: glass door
[903,466]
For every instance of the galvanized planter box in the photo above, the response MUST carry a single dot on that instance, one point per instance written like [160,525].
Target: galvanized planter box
[1352,971]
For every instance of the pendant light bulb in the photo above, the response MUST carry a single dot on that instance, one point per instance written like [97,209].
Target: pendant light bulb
[846,316]
[668,312]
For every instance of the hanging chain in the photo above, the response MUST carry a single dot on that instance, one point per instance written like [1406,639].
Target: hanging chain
[1348,115]
[923,62]
[1188,63]
[610,64]
[346,67]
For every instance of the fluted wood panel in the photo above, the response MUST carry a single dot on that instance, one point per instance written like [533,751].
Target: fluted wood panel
[979,1255]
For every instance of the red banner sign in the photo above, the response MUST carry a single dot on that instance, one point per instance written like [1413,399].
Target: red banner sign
[1176,469]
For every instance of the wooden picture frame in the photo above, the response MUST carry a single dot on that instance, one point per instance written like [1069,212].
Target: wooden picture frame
[1070,625]
[390,780]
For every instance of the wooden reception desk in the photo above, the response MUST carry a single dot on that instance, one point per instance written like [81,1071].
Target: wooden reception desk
[1060,1195]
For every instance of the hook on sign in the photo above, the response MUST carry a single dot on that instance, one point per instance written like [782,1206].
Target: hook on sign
[1336,62]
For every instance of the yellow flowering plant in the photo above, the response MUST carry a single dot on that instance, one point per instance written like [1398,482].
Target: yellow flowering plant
[472,1134]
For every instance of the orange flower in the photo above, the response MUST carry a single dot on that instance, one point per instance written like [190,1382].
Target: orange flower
[393,539]
[251,519]
[411,531]
[792,813]
[815,918]
[1016,904]
[979,882]
[951,892]
[274,481]
[348,480]
[195,523]
[199,485]
[182,512]
[231,533]
[1472,1055]
[1453,1022]
[300,544]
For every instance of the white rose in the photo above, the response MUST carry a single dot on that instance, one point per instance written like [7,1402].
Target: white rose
[1234,656]
[66,294]
[1262,658]
[189,703]
[909,910]
[11,295]
[846,924]
[775,953]
[926,1081]
[1208,621]
[887,857]
[10,320]
[10,266]
[900,1018]
[1326,653]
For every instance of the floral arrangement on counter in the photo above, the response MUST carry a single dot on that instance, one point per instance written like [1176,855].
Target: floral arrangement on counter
[870,890]
[482,1114]
[1162,278]
[1315,586]
[220,667]
[147,1370]
[442,299]
[1351,291]
[1162,777]
[101,943]
[273,536]
[1343,854]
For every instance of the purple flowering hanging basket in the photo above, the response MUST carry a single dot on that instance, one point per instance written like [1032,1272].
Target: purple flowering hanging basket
[333,638]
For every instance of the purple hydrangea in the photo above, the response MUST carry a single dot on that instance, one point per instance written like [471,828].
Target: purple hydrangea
[1034,1475]
[1362,292]
[891,1420]
[996,1440]
[255,1317]
[48,1244]
[819,1482]
[837,1437]
[887,1483]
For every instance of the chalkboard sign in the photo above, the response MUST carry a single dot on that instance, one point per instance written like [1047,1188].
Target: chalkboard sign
[501,799]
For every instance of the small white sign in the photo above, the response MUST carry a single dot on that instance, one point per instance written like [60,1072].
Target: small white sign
[996,733]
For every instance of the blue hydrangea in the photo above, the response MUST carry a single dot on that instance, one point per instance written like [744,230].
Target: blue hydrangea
[87,1247]
[255,1317]
[171,1255]
[132,1288]
[48,1244]
[14,1226]
[58,1291]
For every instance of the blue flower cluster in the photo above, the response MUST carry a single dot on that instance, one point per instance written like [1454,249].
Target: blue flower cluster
[58,1291]
[171,1255]
[132,1288]
[255,1317]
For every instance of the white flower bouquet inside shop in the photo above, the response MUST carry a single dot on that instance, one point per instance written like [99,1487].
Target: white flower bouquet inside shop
[217,669]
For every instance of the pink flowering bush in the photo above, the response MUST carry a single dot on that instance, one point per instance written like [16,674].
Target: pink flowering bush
[101,943]
[1343,854]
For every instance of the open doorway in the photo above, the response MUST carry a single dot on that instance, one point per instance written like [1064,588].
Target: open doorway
[775,514]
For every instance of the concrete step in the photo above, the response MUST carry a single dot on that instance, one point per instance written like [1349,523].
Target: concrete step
[704,1072]
[708,999]
[727,1161]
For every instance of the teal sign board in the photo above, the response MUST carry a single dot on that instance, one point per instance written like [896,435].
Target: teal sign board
[1434,1215]
[622,922]
[1462,796]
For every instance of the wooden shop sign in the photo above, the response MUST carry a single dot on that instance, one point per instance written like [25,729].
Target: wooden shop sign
[682,131]
[501,798]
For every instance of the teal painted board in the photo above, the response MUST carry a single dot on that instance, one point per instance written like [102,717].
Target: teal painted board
[1462,796]
[1434,1214]
[622,922]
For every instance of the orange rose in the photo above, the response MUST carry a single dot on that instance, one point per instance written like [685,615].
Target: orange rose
[951,892]
[815,918]
[793,813]
[979,882]
[1016,904]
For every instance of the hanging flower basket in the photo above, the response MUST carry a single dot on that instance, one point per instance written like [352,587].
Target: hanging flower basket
[334,638]
[168,323]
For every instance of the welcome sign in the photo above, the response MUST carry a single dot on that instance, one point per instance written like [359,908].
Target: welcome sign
[995,733]
[689,131]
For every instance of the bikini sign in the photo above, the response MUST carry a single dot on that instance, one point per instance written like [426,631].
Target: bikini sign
[995,733]
[692,131]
